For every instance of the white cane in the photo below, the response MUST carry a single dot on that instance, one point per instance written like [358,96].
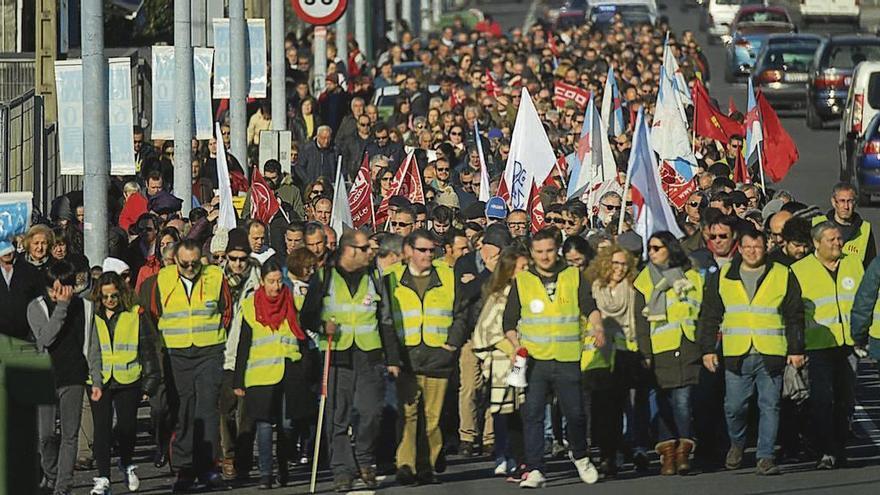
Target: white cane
[324,379]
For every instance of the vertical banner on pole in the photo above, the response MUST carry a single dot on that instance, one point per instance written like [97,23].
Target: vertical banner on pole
[164,108]
[275,145]
[68,85]
[257,66]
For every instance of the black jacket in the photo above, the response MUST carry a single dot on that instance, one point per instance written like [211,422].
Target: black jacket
[712,313]
[316,162]
[25,285]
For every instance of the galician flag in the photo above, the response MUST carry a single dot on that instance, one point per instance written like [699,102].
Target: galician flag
[594,161]
[531,156]
[612,111]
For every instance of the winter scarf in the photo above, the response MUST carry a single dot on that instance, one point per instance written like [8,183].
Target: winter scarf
[272,311]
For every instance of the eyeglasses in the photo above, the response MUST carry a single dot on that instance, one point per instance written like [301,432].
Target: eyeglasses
[237,259]
[733,145]
[316,192]
[385,179]
[455,134]
[401,224]
[653,247]
[694,204]
[361,124]
[110,297]
[555,220]
[719,236]
[443,169]
[186,265]
[363,249]
[382,137]
[610,207]
[424,250]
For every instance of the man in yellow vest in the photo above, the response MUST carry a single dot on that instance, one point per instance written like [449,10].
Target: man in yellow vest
[430,321]
[829,280]
[542,316]
[347,300]
[193,307]
[858,236]
[757,307]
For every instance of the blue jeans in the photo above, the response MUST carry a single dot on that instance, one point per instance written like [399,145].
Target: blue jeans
[563,379]
[673,420]
[264,447]
[739,390]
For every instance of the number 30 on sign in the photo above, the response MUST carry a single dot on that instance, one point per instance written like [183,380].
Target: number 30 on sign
[319,12]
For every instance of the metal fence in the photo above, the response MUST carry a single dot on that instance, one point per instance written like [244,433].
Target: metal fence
[16,77]
[29,152]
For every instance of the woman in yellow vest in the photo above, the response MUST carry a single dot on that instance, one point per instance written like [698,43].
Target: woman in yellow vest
[672,292]
[269,369]
[611,273]
[129,370]
[495,353]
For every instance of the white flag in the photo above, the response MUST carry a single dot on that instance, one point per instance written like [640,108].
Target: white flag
[596,164]
[531,156]
[484,172]
[340,216]
[673,73]
[669,132]
[227,218]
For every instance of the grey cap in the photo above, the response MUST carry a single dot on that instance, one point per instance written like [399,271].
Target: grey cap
[630,241]
[772,207]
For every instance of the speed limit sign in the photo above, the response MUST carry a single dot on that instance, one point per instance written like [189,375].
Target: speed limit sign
[319,12]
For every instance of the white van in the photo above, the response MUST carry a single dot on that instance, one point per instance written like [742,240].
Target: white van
[830,10]
[862,104]
[720,13]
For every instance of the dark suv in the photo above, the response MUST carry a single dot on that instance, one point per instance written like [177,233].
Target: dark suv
[830,75]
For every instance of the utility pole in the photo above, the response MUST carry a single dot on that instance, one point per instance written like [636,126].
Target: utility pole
[426,16]
[46,53]
[360,26]
[437,11]
[96,142]
[391,20]
[239,81]
[279,84]
[200,22]
[320,47]
[342,38]
[406,15]
[183,100]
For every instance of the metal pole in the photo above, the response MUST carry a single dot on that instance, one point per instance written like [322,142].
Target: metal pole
[320,48]
[183,101]
[360,26]
[437,11]
[406,14]
[391,19]
[279,85]
[342,38]
[426,15]
[239,81]
[96,142]
[199,22]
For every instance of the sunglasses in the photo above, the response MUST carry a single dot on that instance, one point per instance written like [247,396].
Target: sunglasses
[110,297]
[316,192]
[610,207]
[719,236]
[385,179]
[381,137]
[186,265]
[443,169]
[694,204]
[455,134]
[363,249]
[652,248]
[239,259]
[424,250]
[401,224]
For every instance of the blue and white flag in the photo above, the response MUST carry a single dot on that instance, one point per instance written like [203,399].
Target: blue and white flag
[612,109]
[669,130]
[15,218]
[674,74]
[754,131]
[531,156]
[594,163]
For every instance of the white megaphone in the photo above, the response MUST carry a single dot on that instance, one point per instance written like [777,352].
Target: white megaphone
[517,376]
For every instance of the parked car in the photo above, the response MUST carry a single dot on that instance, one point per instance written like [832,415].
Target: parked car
[751,26]
[831,73]
[862,104]
[632,12]
[719,14]
[830,10]
[863,170]
[781,73]
[572,13]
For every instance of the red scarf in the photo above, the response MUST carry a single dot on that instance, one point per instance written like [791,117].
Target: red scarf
[272,311]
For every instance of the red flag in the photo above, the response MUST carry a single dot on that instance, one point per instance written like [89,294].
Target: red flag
[264,204]
[503,192]
[677,189]
[740,171]
[537,209]
[731,106]
[361,196]
[407,182]
[492,88]
[551,43]
[563,92]
[780,152]
[709,121]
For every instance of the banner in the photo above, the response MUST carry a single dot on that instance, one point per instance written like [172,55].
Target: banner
[563,92]
[256,62]
[531,156]
[164,106]
[15,218]
[69,88]
[361,196]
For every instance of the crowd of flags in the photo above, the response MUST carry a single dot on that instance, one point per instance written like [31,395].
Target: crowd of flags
[660,173]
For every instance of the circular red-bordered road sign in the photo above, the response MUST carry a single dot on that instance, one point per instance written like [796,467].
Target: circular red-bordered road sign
[319,12]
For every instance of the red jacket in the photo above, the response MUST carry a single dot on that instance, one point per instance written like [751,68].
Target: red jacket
[135,206]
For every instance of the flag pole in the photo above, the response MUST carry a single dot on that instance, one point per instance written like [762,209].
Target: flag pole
[761,167]
[626,184]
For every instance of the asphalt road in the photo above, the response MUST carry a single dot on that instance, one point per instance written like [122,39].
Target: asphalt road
[810,180]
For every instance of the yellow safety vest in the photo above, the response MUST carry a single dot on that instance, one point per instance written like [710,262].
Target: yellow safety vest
[593,358]
[681,312]
[550,330]
[828,303]
[265,365]
[119,355]
[858,245]
[424,321]
[195,320]
[355,315]
[757,322]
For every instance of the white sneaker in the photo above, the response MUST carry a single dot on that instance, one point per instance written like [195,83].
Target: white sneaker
[501,469]
[586,470]
[535,479]
[102,486]
[132,478]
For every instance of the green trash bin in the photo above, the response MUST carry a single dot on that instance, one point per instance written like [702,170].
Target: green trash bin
[25,382]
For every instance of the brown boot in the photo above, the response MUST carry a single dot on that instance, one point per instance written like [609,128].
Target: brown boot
[683,455]
[228,467]
[667,457]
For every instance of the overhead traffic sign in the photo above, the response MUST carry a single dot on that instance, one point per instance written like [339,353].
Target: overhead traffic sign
[319,12]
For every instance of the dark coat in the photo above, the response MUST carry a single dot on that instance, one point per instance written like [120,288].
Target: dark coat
[25,285]
[316,162]
[672,369]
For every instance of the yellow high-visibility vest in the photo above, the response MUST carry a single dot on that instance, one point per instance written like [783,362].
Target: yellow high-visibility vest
[355,315]
[265,365]
[119,355]
[550,329]
[757,322]
[194,320]
[424,321]
[593,358]
[682,311]
[828,303]
[856,247]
